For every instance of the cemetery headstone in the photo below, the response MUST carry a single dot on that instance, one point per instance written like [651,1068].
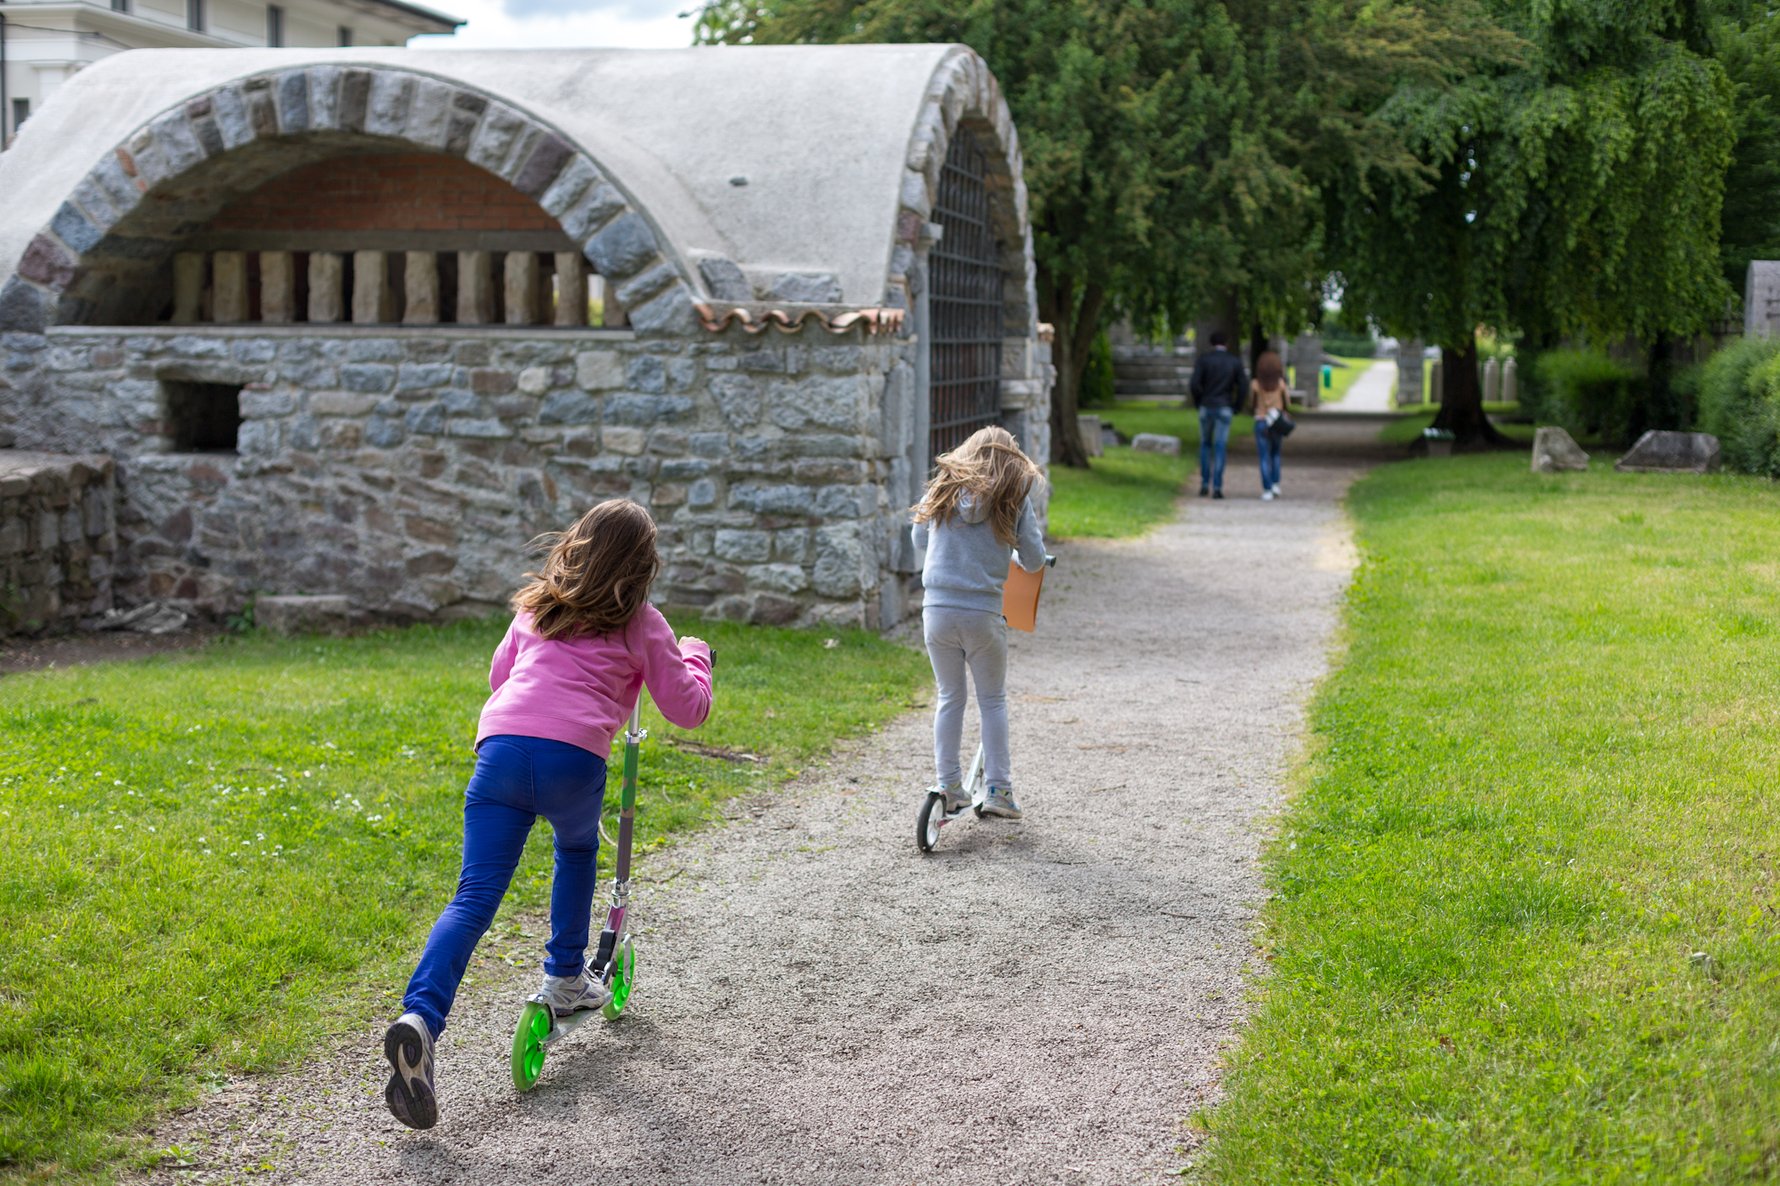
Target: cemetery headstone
[1091,438]
[1660,452]
[1492,381]
[1556,451]
[1156,442]
[1409,374]
[1511,382]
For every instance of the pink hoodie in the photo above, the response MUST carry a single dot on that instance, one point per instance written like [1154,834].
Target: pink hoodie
[581,690]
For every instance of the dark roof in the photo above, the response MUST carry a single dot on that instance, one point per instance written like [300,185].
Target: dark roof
[429,16]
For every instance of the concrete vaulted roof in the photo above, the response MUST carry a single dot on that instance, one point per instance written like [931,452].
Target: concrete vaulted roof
[821,135]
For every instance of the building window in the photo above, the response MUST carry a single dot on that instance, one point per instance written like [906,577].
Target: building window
[194,15]
[345,35]
[120,5]
[201,417]
[274,25]
[21,111]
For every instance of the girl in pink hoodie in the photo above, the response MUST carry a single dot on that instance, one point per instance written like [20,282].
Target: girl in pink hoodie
[583,644]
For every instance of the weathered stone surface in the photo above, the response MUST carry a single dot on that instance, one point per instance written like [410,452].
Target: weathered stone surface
[1761,299]
[621,247]
[327,287]
[1555,451]
[1659,452]
[1089,426]
[288,614]
[804,288]
[1156,442]
[599,370]
[278,287]
[724,279]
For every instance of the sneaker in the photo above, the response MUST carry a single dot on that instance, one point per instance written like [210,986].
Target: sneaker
[1217,494]
[1204,490]
[955,797]
[1276,490]
[572,994]
[408,1045]
[1000,801]
[1266,496]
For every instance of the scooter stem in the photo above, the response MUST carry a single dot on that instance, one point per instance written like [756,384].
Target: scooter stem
[627,803]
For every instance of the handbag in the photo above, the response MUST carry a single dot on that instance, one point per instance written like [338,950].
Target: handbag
[1280,426]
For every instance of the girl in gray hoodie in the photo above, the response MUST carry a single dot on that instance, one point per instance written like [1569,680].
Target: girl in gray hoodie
[976,515]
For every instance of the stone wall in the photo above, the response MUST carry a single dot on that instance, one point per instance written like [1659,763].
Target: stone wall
[408,469]
[57,538]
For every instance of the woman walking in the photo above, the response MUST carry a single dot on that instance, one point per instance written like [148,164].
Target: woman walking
[1269,393]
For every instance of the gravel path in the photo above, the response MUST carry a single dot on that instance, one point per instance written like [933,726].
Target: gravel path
[818,1003]
[1371,392]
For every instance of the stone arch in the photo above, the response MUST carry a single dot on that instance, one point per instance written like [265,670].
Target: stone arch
[962,96]
[176,171]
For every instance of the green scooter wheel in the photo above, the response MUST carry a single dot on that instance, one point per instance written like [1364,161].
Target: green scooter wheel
[528,1045]
[624,975]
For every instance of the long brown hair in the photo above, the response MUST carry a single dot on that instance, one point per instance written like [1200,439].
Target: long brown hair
[990,467]
[597,575]
[1270,371]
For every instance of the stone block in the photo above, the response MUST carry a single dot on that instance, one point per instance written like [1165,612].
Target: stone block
[1091,435]
[420,288]
[645,409]
[369,378]
[188,287]
[1659,452]
[278,287]
[327,287]
[599,370]
[1555,451]
[373,297]
[1156,442]
[484,429]
[622,247]
[228,287]
[1761,299]
[341,403]
[520,273]
[743,547]
[475,288]
[303,615]
[571,407]
[572,307]
[626,441]
[534,380]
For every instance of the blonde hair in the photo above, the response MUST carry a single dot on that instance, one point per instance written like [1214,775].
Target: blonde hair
[990,467]
[597,575]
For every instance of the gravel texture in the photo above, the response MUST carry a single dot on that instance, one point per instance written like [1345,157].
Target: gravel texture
[1035,1002]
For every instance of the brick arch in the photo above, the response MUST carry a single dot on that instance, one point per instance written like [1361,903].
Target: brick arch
[127,216]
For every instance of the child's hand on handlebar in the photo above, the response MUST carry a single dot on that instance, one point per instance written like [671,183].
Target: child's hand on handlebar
[709,649]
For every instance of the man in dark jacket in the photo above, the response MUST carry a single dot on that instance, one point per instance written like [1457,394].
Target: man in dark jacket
[1218,386]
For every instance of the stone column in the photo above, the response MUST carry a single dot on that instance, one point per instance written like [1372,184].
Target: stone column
[571,288]
[1492,381]
[475,288]
[420,286]
[1761,299]
[1437,381]
[327,287]
[228,285]
[373,301]
[613,315]
[1409,373]
[188,287]
[522,288]
[1511,382]
[278,287]
[1307,361]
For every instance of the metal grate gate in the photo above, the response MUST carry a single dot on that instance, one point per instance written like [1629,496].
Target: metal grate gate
[966,296]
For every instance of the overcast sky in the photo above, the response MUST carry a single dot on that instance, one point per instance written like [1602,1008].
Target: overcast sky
[549,24]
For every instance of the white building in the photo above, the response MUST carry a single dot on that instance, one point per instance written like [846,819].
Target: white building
[43,43]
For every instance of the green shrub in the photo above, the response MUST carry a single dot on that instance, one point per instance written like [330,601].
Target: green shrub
[1097,382]
[1350,347]
[1739,394]
[1590,394]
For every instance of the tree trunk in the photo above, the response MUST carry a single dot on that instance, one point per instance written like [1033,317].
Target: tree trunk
[1663,408]
[1461,396]
[1075,320]
[1257,346]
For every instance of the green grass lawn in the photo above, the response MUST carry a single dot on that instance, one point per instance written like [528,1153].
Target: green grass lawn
[208,862]
[1525,923]
[1125,493]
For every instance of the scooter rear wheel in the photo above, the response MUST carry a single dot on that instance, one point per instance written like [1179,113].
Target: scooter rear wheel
[528,1045]
[928,820]
[624,978]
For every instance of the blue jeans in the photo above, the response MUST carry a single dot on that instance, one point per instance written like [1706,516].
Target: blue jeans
[517,779]
[1214,435]
[1268,450]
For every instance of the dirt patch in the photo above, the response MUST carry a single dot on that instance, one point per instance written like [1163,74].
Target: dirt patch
[109,646]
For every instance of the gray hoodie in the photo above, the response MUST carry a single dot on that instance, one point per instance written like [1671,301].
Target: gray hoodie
[966,565]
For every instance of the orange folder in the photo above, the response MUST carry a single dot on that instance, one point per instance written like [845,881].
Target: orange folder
[1019,597]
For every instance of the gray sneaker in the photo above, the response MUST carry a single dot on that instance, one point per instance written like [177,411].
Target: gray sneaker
[572,994]
[955,797]
[408,1045]
[1000,801]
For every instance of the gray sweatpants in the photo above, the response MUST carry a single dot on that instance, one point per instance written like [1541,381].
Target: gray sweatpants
[976,639]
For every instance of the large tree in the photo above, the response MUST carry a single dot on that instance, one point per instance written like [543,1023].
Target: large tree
[1572,184]
[1748,42]
[1151,153]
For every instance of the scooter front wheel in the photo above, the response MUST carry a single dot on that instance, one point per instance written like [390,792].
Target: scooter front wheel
[528,1044]
[928,821]
[624,978]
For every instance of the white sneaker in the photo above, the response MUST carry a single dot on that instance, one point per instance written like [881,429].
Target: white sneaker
[1266,496]
[999,801]
[572,994]
[954,797]
[1276,491]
